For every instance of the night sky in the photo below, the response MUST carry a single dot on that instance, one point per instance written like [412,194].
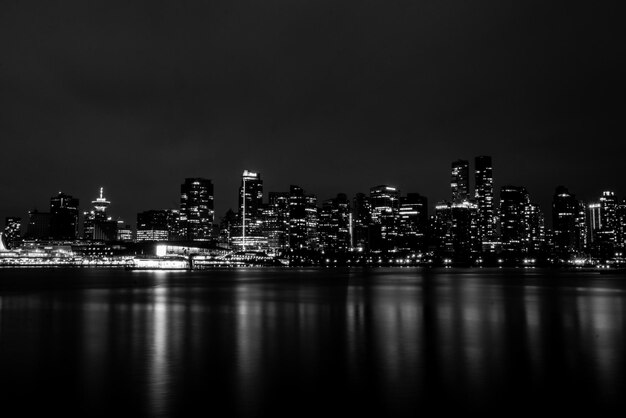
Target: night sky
[335,96]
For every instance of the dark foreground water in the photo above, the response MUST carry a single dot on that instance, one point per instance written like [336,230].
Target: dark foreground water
[311,342]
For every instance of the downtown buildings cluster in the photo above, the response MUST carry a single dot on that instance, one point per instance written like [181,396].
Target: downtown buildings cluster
[383,226]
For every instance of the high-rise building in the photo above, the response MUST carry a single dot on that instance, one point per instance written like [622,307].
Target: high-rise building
[196,209]
[483,187]
[513,228]
[455,231]
[153,225]
[460,181]
[249,217]
[568,227]
[620,236]
[361,222]
[334,225]
[412,222]
[63,217]
[385,207]
[124,231]
[275,217]
[534,237]
[38,225]
[606,236]
[594,222]
[12,231]
[97,224]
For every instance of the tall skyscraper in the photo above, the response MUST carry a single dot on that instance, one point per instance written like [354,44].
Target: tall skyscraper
[455,231]
[605,244]
[334,225]
[12,230]
[250,208]
[460,181]
[361,221]
[96,217]
[276,221]
[513,202]
[484,199]
[566,224]
[63,217]
[385,207]
[196,209]
[412,222]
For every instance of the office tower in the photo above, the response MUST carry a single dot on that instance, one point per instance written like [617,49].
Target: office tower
[124,231]
[534,240]
[153,225]
[605,245]
[460,181]
[484,199]
[385,206]
[38,225]
[594,222]
[513,201]
[12,231]
[620,236]
[412,222]
[275,223]
[456,232]
[334,225]
[361,221]
[63,217]
[250,234]
[568,239]
[303,220]
[98,218]
[196,209]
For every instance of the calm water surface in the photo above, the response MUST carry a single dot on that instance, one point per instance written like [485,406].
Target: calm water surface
[269,342]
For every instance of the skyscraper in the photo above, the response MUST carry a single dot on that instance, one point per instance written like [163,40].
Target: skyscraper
[153,225]
[412,222]
[460,181]
[568,238]
[484,199]
[250,208]
[334,224]
[456,231]
[196,209]
[63,217]
[96,217]
[361,221]
[513,202]
[385,206]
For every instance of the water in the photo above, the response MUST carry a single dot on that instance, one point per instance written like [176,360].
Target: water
[310,342]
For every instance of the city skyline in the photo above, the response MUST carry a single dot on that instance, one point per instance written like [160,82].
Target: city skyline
[122,209]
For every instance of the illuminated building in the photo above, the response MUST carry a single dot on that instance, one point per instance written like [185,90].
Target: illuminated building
[361,221]
[12,231]
[196,209]
[250,210]
[385,207]
[620,236]
[455,231]
[534,237]
[124,231]
[63,217]
[97,226]
[334,225]
[38,225]
[568,227]
[460,181]
[302,220]
[153,225]
[412,222]
[275,217]
[484,198]
[606,235]
[594,222]
[513,201]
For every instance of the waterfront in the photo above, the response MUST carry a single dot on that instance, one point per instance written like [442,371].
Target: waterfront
[267,342]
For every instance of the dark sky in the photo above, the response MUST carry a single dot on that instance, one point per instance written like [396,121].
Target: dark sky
[335,96]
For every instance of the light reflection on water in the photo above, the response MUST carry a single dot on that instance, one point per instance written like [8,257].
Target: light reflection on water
[265,342]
